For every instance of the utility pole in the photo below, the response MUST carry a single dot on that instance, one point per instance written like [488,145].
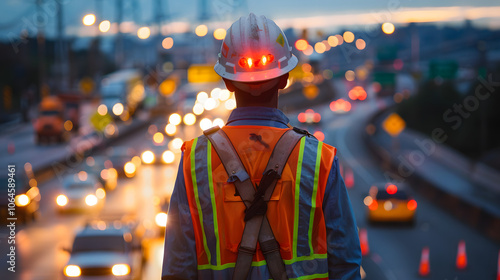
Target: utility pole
[61,52]
[203,12]
[119,35]
[41,54]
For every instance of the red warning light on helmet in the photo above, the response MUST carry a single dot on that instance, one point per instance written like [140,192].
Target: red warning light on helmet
[247,62]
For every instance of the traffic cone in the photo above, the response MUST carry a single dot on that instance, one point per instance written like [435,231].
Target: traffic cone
[424,269]
[363,241]
[498,266]
[349,178]
[461,255]
[11,148]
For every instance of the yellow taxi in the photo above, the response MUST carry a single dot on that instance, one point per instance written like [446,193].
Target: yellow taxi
[387,203]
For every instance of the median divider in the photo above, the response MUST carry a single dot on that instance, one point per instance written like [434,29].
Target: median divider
[477,212]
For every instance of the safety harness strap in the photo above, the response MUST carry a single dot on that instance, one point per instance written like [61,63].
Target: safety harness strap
[257,226]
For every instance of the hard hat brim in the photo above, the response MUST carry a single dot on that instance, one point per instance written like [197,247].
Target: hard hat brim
[256,76]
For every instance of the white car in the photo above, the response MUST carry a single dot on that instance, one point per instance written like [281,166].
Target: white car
[106,253]
[81,191]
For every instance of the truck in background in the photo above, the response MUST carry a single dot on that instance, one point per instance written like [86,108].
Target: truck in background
[122,93]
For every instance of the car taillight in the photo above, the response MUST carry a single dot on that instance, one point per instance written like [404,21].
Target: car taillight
[373,206]
[411,205]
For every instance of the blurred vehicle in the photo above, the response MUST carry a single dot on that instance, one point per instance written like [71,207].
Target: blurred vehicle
[50,121]
[357,93]
[340,106]
[26,198]
[81,191]
[71,101]
[157,154]
[104,252]
[106,175]
[122,92]
[309,116]
[121,159]
[387,203]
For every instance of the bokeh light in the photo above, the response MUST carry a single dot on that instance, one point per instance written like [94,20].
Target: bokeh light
[388,28]
[189,119]
[219,122]
[319,47]
[175,119]
[360,44]
[88,19]
[348,37]
[350,75]
[198,109]
[333,41]
[301,44]
[143,32]
[220,33]
[167,43]
[205,124]
[309,50]
[170,129]
[104,26]
[158,138]
[201,30]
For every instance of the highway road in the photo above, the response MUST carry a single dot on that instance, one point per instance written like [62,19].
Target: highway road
[394,250]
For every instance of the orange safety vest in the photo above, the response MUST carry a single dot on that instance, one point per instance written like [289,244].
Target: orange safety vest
[294,211]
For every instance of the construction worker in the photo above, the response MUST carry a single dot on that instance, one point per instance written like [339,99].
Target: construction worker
[257,199]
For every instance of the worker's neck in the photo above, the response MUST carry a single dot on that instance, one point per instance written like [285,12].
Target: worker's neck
[268,100]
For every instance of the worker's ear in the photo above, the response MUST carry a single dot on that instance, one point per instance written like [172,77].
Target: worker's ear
[229,85]
[283,81]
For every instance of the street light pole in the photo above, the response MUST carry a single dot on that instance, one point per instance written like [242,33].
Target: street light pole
[41,54]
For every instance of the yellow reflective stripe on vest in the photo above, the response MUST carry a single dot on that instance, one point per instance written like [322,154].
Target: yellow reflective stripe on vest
[197,198]
[297,197]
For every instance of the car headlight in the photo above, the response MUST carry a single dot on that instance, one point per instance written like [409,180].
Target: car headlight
[72,270]
[62,200]
[100,193]
[148,157]
[22,200]
[168,156]
[161,219]
[129,169]
[91,200]
[120,269]
[118,109]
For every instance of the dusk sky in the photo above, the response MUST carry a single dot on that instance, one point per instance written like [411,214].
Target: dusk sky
[21,14]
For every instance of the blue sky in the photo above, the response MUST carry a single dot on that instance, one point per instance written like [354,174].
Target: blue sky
[22,14]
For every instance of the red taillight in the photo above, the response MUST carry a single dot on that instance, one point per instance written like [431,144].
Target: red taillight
[373,206]
[391,189]
[412,205]
[302,117]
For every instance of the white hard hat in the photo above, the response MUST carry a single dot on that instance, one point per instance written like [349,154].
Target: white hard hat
[255,49]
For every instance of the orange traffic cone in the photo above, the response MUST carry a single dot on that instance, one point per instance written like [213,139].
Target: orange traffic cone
[498,265]
[349,178]
[363,241]
[461,255]
[424,269]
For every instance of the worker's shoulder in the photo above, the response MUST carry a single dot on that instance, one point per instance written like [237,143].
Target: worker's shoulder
[326,149]
[187,145]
